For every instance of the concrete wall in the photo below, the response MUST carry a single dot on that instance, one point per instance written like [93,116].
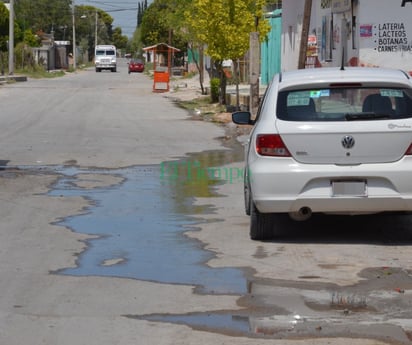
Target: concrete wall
[292,15]
[385,37]
[362,32]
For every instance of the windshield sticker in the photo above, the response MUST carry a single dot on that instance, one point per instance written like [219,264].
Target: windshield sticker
[391,93]
[319,93]
[298,98]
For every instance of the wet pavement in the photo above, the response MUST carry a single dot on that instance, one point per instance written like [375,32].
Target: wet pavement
[138,222]
[281,309]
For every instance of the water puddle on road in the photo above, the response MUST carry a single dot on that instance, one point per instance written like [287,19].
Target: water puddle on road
[140,219]
[226,323]
[139,216]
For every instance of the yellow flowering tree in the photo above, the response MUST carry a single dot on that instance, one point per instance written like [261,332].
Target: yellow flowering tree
[224,28]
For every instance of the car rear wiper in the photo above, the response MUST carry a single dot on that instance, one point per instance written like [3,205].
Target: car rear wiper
[366,116]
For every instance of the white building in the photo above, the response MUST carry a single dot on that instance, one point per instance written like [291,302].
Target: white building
[363,32]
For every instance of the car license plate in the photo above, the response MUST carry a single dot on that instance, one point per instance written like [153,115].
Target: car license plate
[349,188]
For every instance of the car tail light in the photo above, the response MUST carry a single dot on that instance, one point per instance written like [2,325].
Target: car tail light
[409,150]
[271,145]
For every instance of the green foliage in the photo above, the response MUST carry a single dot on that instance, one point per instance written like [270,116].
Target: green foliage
[154,24]
[86,25]
[36,17]
[4,27]
[119,40]
[214,89]
[225,26]
[30,39]
[24,58]
[160,24]
[142,6]
[135,44]
[43,15]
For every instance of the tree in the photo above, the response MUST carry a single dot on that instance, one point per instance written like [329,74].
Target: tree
[119,40]
[142,6]
[43,15]
[224,27]
[86,29]
[4,35]
[159,24]
[4,27]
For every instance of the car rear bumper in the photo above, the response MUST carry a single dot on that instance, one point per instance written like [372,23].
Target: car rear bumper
[283,185]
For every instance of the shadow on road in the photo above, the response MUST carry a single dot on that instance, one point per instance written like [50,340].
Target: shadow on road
[378,229]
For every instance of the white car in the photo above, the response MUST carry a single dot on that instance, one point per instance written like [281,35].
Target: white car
[329,140]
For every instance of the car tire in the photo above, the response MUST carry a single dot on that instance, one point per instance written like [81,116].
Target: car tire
[114,70]
[262,225]
[98,70]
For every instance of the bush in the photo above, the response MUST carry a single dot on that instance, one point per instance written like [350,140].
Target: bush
[214,89]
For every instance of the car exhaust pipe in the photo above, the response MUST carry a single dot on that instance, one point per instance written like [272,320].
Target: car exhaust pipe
[303,214]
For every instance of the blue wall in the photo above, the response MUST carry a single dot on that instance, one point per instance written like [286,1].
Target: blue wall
[271,48]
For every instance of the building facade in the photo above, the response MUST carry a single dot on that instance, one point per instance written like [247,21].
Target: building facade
[357,32]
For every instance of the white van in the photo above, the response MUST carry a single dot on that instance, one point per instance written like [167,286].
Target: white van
[105,58]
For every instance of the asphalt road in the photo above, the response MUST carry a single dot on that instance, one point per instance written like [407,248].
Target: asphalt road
[330,281]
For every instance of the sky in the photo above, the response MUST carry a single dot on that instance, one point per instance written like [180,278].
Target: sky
[124,12]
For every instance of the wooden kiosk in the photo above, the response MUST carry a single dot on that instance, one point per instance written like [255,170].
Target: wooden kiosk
[161,66]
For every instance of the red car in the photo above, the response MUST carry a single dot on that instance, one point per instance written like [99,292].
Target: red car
[136,66]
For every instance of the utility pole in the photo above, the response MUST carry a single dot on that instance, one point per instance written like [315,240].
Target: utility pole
[95,30]
[11,38]
[254,72]
[74,37]
[305,34]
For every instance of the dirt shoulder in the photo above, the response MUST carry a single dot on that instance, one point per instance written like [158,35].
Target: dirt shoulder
[187,94]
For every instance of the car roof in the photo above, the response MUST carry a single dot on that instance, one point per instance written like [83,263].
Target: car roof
[323,77]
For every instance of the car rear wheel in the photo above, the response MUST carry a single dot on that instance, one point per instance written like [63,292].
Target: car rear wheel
[262,225]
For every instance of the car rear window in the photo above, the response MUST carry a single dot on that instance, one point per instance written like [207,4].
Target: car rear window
[344,104]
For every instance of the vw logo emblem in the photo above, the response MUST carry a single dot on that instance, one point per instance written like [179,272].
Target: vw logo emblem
[348,141]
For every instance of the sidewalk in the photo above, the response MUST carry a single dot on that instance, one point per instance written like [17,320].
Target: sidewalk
[186,89]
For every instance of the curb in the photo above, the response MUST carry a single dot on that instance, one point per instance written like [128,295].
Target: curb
[15,78]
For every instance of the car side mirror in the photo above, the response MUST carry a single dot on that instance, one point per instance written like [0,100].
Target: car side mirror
[242,118]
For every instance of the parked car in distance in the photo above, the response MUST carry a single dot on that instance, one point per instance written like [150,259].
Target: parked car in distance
[328,140]
[136,65]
